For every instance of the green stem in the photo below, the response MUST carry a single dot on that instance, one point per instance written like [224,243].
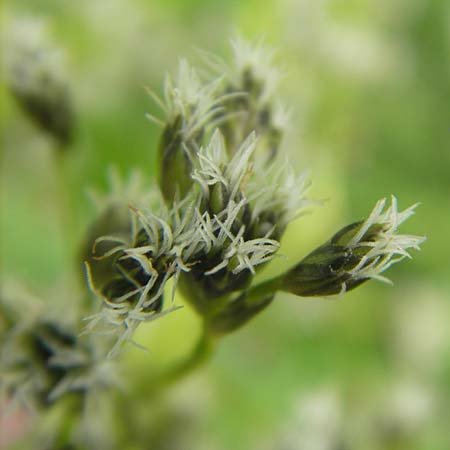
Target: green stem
[239,311]
[263,290]
[61,420]
[256,298]
[199,355]
[63,198]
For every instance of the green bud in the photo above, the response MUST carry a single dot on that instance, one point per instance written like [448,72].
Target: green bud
[175,163]
[35,78]
[218,198]
[205,293]
[127,280]
[117,277]
[329,270]
[113,221]
[30,361]
[249,99]
[355,254]
[48,104]
[121,280]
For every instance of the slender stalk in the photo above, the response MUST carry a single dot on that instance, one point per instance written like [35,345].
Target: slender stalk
[63,197]
[199,355]
[263,290]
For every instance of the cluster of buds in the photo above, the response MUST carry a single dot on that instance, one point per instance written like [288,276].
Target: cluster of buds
[43,357]
[225,199]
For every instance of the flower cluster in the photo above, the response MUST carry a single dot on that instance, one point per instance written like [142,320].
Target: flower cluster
[42,357]
[226,198]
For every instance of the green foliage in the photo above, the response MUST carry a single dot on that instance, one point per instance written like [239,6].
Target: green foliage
[369,84]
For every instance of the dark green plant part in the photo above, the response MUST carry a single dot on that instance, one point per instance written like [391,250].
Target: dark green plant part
[113,218]
[33,358]
[192,108]
[43,358]
[34,73]
[253,78]
[357,253]
[53,374]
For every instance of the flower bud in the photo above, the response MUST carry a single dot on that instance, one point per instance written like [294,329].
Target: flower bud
[37,358]
[115,273]
[192,108]
[36,80]
[113,221]
[357,253]
[175,162]
[137,268]
[248,103]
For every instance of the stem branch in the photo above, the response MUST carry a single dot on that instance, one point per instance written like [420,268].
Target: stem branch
[199,355]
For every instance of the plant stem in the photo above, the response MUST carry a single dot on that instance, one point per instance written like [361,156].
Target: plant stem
[63,199]
[199,355]
[263,290]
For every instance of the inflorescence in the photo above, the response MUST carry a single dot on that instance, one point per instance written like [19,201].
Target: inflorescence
[225,197]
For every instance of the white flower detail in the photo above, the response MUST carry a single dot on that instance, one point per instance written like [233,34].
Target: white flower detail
[219,236]
[285,193]
[198,104]
[215,166]
[389,247]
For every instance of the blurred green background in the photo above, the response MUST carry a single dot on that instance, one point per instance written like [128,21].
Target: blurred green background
[369,87]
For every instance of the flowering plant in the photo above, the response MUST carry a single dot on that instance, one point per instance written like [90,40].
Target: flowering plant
[225,195]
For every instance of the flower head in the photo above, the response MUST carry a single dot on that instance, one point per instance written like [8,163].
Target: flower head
[357,253]
[227,198]
[42,358]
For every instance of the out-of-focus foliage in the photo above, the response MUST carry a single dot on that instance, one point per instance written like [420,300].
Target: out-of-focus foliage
[368,83]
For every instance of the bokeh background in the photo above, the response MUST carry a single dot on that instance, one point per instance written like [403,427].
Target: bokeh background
[368,82]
